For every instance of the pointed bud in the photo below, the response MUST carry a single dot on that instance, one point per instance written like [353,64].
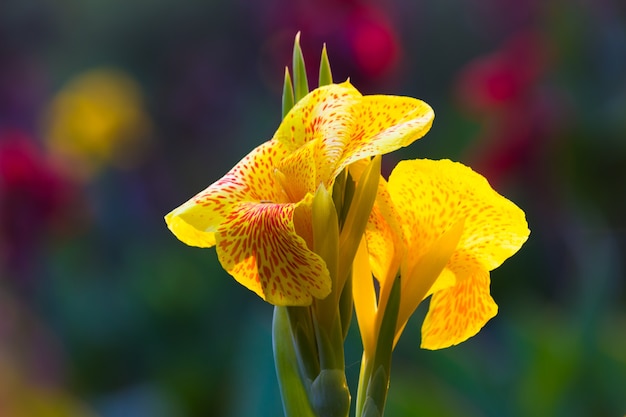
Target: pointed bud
[300,81]
[330,395]
[288,99]
[326,76]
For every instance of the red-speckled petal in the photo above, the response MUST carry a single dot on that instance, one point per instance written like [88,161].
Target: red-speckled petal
[297,172]
[251,180]
[434,197]
[383,124]
[431,196]
[259,247]
[458,313]
[324,114]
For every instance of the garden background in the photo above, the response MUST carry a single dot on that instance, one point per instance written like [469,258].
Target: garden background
[113,112]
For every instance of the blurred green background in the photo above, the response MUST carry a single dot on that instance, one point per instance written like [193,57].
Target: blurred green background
[114,112]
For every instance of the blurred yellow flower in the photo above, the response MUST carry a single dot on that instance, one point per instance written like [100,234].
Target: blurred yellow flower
[444,227]
[26,388]
[22,398]
[97,119]
[259,214]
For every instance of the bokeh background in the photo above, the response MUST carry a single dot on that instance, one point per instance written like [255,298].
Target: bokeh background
[114,112]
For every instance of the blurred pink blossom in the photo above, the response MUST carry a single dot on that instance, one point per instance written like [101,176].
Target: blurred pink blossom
[519,113]
[505,77]
[34,195]
[363,40]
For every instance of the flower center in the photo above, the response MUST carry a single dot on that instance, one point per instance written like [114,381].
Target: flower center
[291,187]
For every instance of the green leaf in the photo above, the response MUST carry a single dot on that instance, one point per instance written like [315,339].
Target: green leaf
[348,195]
[326,76]
[287,93]
[338,191]
[300,82]
[346,306]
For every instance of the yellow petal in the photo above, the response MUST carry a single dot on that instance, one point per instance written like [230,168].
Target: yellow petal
[459,312]
[297,172]
[350,126]
[192,224]
[364,298]
[418,278]
[251,180]
[384,236]
[383,124]
[431,196]
[324,114]
[259,247]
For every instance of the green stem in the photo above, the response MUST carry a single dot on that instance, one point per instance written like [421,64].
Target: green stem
[292,387]
[305,343]
[364,376]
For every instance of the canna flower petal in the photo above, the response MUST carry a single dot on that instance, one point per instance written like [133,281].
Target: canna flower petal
[351,127]
[384,124]
[251,180]
[459,312]
[432,198]
[296,173]
[325,114]
[384,236]
[379,256]
[364,295]
[429,268]
[259,213]
[258,245]
[262,239]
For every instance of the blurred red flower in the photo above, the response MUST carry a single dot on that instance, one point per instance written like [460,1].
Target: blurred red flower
[363,41]
[33,194]
[502,78]
[519,112]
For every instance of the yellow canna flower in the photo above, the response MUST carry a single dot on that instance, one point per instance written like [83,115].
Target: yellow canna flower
[259,214]
[448,228]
